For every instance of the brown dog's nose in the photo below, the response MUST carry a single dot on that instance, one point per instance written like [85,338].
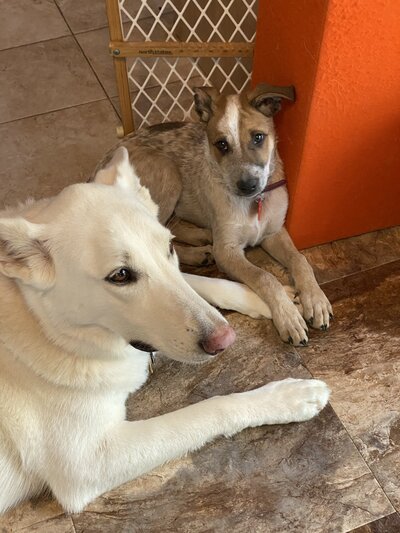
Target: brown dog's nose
[248,185]
[219,339]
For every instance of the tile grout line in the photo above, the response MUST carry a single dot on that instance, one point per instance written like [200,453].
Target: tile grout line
[87,59]
[54,111]
[73,523]
[368,466]
[372,522]
[368,269]
[25,528]
[103,27]
[87,30]
[40,41]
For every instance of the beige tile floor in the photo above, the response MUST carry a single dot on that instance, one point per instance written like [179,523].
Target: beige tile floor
[337,473]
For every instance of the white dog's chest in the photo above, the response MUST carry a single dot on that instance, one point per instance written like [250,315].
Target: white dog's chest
[59,421]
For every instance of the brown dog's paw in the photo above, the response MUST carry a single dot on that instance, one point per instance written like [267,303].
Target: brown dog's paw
[208,259]
[294,296]
[289,323]
[317,309]
[195,255]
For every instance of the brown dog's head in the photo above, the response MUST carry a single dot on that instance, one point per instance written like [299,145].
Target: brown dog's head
[241,133]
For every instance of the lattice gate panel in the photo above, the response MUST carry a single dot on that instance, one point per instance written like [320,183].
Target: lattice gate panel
[169,96]
[161,84]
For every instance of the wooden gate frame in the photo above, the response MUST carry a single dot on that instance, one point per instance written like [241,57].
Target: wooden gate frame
[121,49]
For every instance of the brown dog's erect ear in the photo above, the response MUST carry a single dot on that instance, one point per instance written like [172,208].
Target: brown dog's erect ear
[267,98]
[24,254]
[204,101]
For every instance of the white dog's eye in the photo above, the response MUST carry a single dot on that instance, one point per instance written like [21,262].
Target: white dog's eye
[171,248]
[122,276]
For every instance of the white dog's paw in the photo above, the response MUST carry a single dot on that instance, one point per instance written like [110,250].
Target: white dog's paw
[317,310]
[289,323]
[289,400]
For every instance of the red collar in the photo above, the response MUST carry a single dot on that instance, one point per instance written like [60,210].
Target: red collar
[275,185]
[260,198]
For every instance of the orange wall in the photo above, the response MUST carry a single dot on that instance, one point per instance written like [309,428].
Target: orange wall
[341,140]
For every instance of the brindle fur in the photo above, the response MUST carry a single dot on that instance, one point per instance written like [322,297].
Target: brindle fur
[189,177]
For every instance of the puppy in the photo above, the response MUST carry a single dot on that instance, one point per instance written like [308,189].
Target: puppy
[224,175]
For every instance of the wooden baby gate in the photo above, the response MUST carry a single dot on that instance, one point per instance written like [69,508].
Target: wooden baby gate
[162,49]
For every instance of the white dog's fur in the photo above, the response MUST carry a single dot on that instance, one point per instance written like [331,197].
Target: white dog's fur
[66,366]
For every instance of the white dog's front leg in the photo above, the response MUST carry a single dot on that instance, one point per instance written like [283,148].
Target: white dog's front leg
[134,448]
[233,296]
[229,295]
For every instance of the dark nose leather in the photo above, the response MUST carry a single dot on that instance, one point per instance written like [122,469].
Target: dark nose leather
[247,186]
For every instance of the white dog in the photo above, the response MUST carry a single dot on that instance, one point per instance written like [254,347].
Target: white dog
[89,284]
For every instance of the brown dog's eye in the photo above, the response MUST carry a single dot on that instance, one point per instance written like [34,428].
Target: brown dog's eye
[223,146]
[122,276]
[258,138]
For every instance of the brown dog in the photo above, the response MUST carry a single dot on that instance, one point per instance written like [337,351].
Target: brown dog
[224,174]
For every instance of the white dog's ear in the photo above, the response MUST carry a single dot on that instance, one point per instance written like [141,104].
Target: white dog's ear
[119,171]
[205,102]
[24,254]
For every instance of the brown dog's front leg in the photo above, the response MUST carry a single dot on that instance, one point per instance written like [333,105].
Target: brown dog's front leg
[285,315]
[316,308]
[189,233]
[194,255]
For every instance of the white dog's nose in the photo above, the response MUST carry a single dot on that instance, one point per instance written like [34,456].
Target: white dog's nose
[219,339]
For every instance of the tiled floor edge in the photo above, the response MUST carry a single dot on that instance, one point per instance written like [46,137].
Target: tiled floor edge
[367,269]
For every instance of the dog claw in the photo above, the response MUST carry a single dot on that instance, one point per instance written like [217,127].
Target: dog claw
[331,317]
[304,342]
[290,340]
[324,327]
[310,321]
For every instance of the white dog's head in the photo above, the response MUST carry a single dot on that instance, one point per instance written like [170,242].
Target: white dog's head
[94,263]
